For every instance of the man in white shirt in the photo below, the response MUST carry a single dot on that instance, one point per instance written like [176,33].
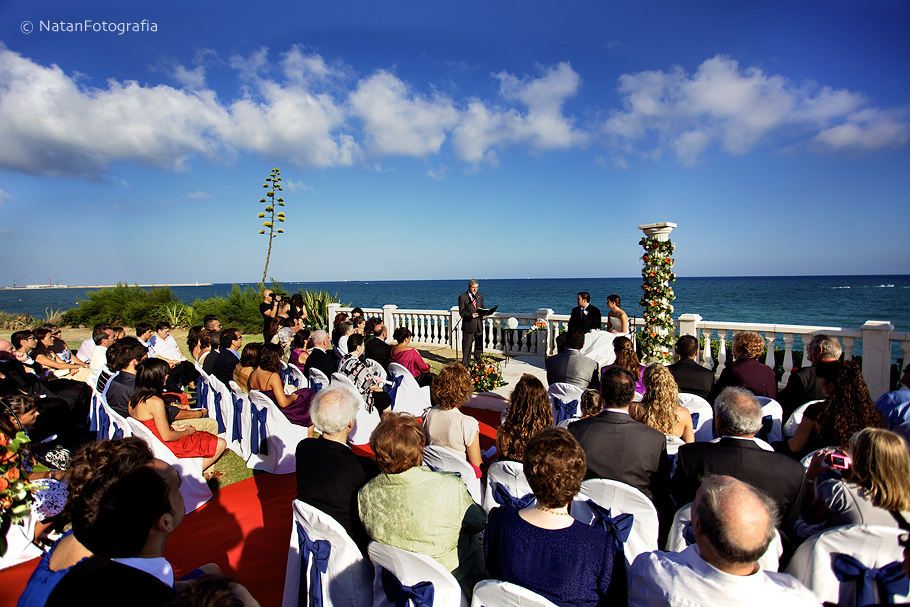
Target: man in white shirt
[733,524]
[99,355]
[87,347]
[165,347]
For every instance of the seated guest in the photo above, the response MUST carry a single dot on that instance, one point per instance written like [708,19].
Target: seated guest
[129,453]
[266,378]
[45,356]
[370,326]
[99,354]
[84,353]
[571,366]
[895,407]
[847,410]
[445,425]
[119,332]
[299,351]
[208,359]
[733,524]
[329,474]
[376,348]
[192,341]
[746,371]
[803,385]
[660,408]
[336,326]
[203,347]
[182,372]
[147,407]
[319,357]
[356,313]
[25,342]
[228,357]
[573,564]
[876,483]
[296,310]
[627,359]
[528,413]
[737,419]
[409,358]
[366,383]
[691,377]
[413,508]
[590,404]
[75,393]
[144,332]
[60,348]
[211,323]
[249,360]
[345,329]
[123,357]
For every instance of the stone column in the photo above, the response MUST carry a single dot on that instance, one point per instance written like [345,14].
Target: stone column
[656,337]
[877,356]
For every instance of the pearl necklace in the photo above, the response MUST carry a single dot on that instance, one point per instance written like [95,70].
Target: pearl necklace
[550,511]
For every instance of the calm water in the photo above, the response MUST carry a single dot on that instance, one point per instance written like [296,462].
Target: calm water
[838,301]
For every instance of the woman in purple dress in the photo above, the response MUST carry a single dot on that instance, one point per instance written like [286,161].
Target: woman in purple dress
[267,379]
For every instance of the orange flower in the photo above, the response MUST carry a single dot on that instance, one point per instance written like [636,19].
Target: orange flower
[6,502]
[4,484]
[11,474]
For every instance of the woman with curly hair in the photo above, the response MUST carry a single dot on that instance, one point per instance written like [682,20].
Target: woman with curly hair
[660,408]
[529,412]
[848,409]
[445,425]
[628,359]
[747,371]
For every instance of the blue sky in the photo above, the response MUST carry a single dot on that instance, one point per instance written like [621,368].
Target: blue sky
[438,139]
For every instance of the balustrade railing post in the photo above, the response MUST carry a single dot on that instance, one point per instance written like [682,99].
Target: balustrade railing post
[688,325]
[877,356]
[770,338]
[788,357]
[388,317]
[332,312]
[542,347]
[454,328]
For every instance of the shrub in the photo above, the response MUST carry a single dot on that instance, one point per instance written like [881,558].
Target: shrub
[122,305]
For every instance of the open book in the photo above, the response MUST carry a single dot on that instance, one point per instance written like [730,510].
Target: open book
[486,311]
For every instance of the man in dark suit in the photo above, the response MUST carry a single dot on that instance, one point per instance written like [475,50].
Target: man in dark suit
[690,376]
[208,363]
[228,357]
[737,418]
[376,349]
[572,366]
[584,317]
[619,448]
[125,511]
[319,357]
[471,323]
[803,385]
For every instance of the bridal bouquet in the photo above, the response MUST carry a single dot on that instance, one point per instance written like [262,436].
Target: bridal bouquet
[15,490]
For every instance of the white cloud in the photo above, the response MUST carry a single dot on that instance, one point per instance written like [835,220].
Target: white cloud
[4,196]
[295,186]
[437,174]
[737,109]
[198,195]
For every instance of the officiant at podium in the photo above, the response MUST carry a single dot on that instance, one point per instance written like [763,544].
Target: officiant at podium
[471,322]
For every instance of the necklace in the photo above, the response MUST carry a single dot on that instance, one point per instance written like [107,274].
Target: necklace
[551,511]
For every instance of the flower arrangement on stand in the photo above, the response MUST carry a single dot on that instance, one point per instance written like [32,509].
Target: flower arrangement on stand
[15,490]
[656,339]
[486,374]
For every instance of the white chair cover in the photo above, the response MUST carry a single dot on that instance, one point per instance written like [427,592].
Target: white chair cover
[493,593]
[206,397]
[873,546]
[241,405]
[225,404]
[318,380]
[376,369]
[677,540]
[110,423]
[511,476]
[19,546]
[194,489]
[365,421]
[273,438]
[772,414]
[348,578]
[620,498]
[702,416]
[293,376]
[796,417]
[411,569]
[673,445]
[569,401]
[441,459]
[408,397]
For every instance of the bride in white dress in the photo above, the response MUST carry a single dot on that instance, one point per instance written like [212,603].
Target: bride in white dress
[599,343]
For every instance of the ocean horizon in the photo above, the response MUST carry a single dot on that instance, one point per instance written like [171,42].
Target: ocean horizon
[834,301]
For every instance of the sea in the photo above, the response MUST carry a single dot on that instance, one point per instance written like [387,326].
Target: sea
[830,301]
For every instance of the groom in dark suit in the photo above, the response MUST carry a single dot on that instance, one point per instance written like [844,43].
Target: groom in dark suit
[584,317]
[471,323]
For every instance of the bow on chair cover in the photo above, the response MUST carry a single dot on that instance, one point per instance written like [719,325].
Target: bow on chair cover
[93,414]
[421,593]
[890,579]
[315,386]
[564,409]
[767,423]
[320,549]
[237,426]
[694,421]
[118,432]
[218,417]
[619,526]
[202,392]
[502,497]
[104,422]
[393,389]
[259,443]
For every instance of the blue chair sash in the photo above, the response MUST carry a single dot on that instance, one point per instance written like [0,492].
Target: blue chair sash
[889,578]
[421,593]
[767,424]
[104,423]
[502,497]
[93,414]
[694,421]
[320,550]
[118,432]
[619,526]
[237,425]
[315,386]
[259,443]
[218,416]
[688,534]
[202,392]
[564,409]
[393,389]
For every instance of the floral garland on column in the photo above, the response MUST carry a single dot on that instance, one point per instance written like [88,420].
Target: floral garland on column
[656,339]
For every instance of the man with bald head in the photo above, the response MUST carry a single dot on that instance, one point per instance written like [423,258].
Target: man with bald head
[733,524]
